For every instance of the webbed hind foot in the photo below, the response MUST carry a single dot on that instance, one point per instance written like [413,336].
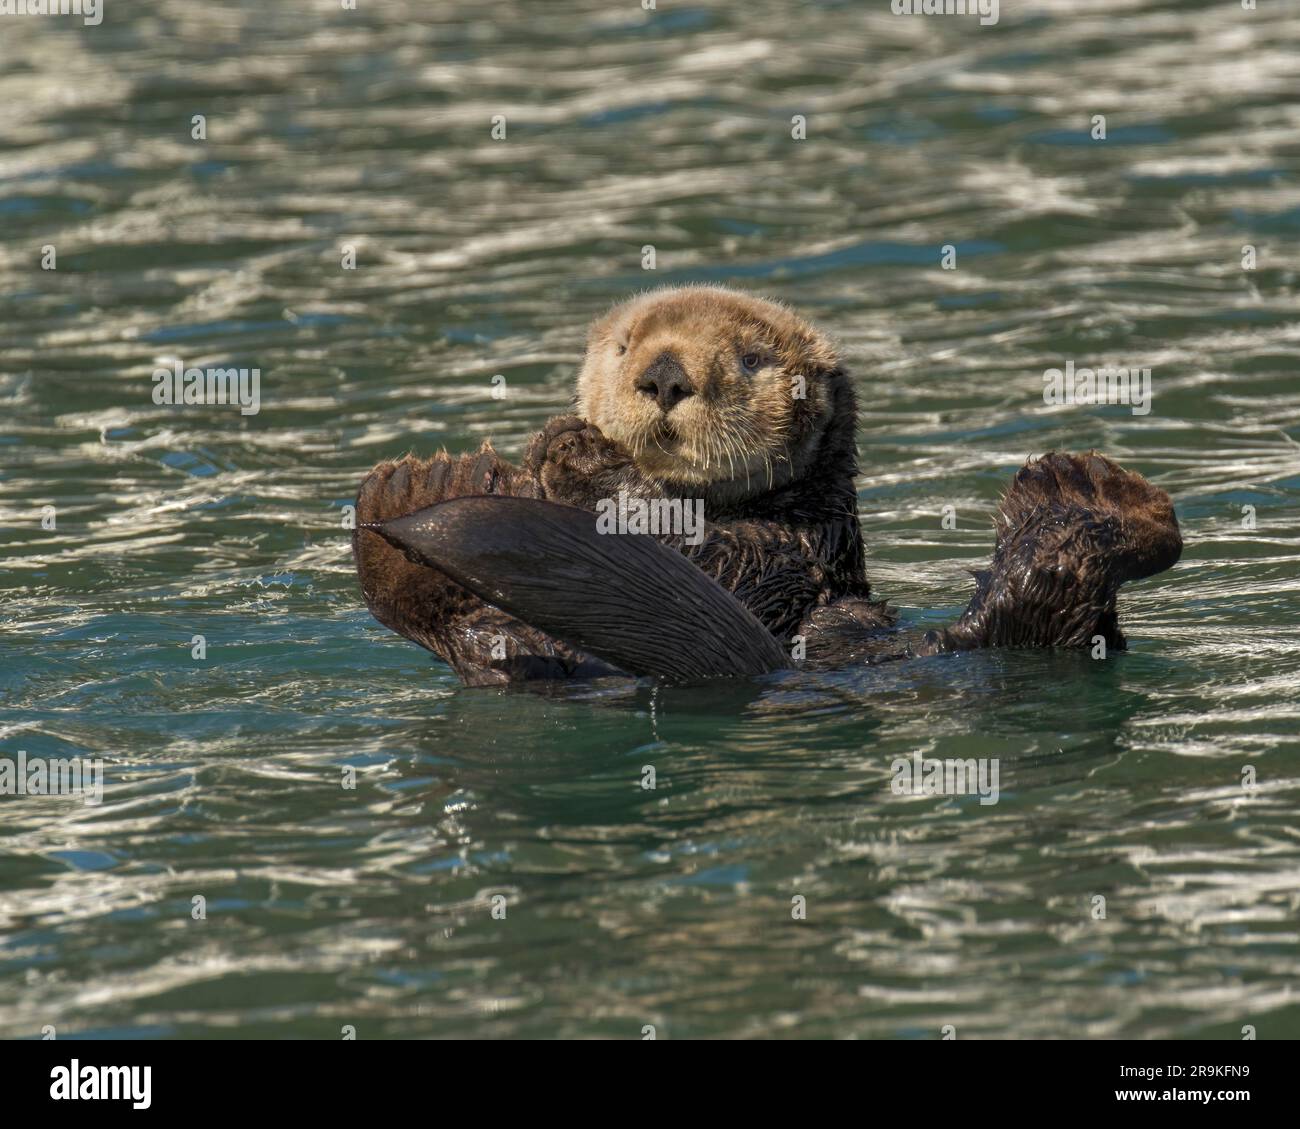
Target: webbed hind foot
[1071,529]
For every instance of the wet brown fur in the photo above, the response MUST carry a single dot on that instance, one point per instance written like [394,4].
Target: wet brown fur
[772,454]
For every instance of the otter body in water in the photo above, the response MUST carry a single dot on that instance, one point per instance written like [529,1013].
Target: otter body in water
[707,395]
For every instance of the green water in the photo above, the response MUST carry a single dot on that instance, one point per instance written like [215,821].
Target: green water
[475,257]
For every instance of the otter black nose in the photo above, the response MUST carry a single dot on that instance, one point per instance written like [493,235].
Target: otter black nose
[666,381]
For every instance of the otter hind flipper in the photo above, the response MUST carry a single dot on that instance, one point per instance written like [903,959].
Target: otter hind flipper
[625,599]
[1070,531]
[482,644]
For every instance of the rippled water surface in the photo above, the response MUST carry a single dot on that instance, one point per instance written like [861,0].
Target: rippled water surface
[476,257]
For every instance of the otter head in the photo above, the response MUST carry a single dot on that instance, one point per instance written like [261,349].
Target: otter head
[707,387]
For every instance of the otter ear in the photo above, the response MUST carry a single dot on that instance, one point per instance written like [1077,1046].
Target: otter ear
[821,391]
[830,375]
[600,327]
[624,598]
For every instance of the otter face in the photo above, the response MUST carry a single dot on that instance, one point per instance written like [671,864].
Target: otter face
[708,386]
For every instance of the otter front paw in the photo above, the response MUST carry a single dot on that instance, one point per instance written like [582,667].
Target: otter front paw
[576,463]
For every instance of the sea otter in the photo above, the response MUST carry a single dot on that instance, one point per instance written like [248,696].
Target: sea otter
[703,393]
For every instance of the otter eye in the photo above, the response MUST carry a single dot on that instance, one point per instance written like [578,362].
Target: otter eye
[750,362]
[622,349]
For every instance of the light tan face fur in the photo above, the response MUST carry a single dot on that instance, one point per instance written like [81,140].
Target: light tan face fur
[671,376]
